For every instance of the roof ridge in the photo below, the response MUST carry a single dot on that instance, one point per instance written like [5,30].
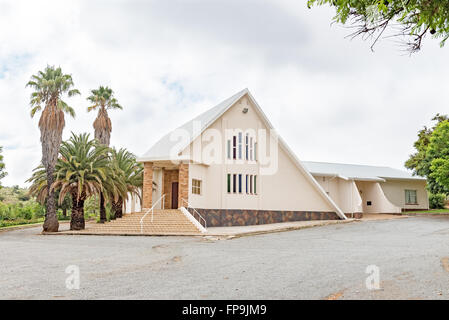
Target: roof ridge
[350,164]
[205,119]
[215,106]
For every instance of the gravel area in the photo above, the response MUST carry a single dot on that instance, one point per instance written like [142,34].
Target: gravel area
[327,262]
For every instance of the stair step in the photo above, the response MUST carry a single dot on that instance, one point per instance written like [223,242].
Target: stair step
[170,221]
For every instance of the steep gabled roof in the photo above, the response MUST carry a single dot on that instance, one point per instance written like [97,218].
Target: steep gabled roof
[358,172]
[163,149]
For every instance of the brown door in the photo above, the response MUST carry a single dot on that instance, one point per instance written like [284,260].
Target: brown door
[174,195]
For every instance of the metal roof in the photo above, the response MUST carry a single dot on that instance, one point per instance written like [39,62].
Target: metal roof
[358,172]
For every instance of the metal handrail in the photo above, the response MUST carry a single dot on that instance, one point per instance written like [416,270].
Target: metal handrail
[199,215]
[152,212]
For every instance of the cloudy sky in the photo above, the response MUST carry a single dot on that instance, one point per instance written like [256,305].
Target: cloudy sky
[331,98]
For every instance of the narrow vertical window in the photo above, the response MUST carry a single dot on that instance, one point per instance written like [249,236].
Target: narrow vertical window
[229,183]
[247,184]
[240,145]
[234,183]
[250,184]
[251,149]
[247,147]
[255,184]
[234,147]
[229,149]
[240,183]
[196,186]
[255,151]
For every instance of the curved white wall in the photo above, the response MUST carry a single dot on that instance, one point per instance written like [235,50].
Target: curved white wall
[372,192]
[395,192]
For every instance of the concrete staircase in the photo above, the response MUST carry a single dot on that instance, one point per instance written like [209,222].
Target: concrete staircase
[165,222]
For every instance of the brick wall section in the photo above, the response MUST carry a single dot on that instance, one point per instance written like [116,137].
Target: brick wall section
[169,177]
[235,217]
[147,185]
[183,183]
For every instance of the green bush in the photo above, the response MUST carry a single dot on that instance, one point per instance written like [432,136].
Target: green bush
[437,201]
[24,210]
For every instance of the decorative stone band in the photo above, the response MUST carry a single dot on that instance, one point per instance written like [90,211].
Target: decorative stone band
[236,217]
[355,215]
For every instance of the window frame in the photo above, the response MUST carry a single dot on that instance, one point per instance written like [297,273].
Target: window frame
[408,198]
[255,151]
[247,147]
[240,190]
[251,148]
[255,184]
[240,145]
[197,186]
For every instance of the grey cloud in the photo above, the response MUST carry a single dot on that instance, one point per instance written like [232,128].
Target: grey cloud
[332,99]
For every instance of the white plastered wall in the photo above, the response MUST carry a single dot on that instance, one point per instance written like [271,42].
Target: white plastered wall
[395,192]
[372,192]
[132,204]
[343,192]
[287,189]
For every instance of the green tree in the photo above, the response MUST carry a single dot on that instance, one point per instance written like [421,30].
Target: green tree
[103,99]
[409,19]
[49,86]
[132,173]
[421,161]
[438,156]
[2,167]
[39,190]
[82,171]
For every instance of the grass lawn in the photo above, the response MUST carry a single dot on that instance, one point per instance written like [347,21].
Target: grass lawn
[433,211]
[4,224]
[18,222]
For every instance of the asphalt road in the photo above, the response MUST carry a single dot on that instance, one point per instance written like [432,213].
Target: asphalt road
[319,263]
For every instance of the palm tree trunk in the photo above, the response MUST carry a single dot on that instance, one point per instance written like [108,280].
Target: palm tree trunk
[102,209]
[51,125]
[51,223]
[118,208]
[77,219]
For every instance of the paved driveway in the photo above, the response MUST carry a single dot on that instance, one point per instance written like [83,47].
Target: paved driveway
[325,262]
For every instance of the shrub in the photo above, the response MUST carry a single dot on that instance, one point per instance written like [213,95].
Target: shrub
[27,211]
[437,201]
[24,197]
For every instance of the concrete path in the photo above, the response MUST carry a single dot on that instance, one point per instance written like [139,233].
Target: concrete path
[238,231]
[270,228]
[382,216]
[230,232]
[329,262]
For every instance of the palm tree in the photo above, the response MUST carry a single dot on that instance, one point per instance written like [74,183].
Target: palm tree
[82,171]
[49,86]
[103,99]
[38,188]
[132,172]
